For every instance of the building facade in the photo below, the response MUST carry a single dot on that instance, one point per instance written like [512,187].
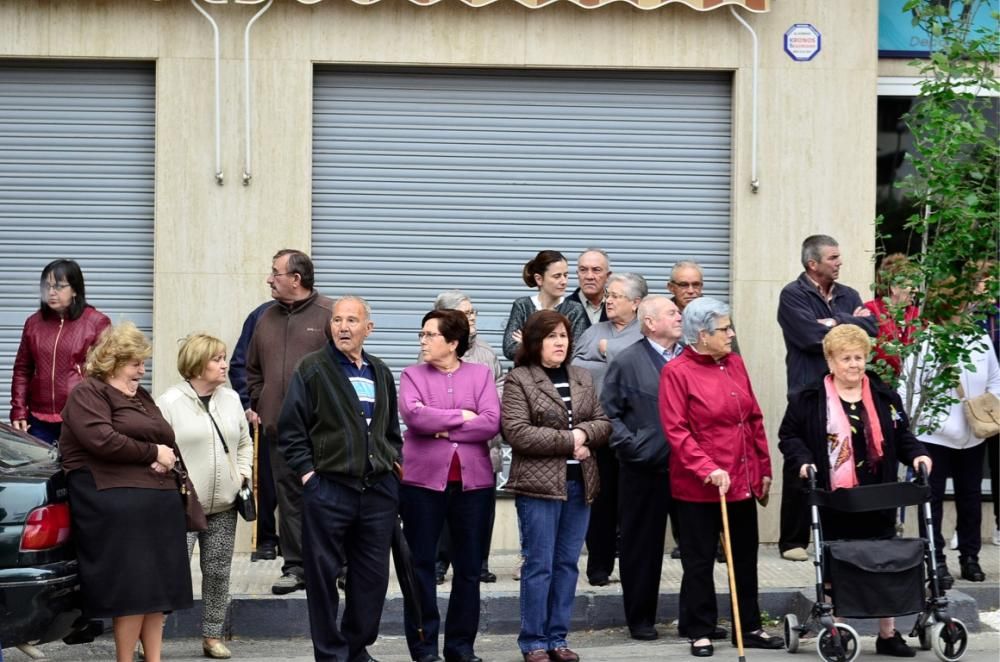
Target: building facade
[413,148]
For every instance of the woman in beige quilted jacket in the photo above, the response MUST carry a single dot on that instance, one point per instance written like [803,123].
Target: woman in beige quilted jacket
[552,420]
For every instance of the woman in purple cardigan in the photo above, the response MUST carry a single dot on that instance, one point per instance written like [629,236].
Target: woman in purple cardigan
[451,411]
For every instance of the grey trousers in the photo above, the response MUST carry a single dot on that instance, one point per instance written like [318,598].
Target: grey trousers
[216,546]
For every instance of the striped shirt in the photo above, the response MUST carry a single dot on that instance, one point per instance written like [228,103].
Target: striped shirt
[363,381]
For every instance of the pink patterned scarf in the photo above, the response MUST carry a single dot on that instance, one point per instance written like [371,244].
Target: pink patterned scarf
[840,450]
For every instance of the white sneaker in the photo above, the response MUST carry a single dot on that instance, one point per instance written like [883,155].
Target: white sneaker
[996,537]
[953,543]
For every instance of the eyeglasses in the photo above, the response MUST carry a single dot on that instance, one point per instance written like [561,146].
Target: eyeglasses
[275,274]
[615,295]
[470,313]
[696,285]
[724,329]
[424,334]
[57,287]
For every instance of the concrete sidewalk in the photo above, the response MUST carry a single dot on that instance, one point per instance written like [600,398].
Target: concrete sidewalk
[785,586]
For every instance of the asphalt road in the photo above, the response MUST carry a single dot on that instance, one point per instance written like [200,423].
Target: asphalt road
[596,646]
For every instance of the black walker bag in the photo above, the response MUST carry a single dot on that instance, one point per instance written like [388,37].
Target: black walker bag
[876,578]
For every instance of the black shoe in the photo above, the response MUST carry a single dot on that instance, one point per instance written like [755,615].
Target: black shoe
[761,639]
[599,580]
[972,571]
[676,554]
[439,578]
[893,646]
[643,632]
[945,580]
[705,650]
[430,657]
[487,577]
[467,657]
[267,552]
[288,583]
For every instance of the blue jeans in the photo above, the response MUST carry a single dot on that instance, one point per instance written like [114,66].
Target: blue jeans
[552,534]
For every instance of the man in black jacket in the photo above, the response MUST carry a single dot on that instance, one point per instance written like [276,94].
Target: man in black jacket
[339,432]
[629,399]
[808,308]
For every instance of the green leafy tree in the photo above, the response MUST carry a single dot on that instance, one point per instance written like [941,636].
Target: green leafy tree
[953,185]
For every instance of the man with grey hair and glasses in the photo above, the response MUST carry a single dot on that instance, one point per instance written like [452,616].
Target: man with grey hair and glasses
[808,308]
[592,271]
[686,283]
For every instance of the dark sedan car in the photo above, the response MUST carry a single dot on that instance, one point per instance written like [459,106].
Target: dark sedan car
[39,586]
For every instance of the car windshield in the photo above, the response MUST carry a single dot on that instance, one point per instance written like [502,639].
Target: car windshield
[18,450]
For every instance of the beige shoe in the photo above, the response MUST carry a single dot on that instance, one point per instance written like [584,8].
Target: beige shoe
[216,651]
[795,554]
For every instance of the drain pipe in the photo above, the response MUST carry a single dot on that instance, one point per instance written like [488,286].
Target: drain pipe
[754,182]
[218,95]
[247,85]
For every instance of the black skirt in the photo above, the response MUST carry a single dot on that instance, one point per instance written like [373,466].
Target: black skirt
[131,545]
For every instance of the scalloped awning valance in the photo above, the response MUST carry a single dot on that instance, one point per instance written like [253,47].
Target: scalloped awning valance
[699,5]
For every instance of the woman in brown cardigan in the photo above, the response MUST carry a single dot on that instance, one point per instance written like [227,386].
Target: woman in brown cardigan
[551,419]
[128,523]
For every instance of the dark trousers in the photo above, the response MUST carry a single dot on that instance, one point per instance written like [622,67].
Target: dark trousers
[965,468]
[699,540]
[343,526]
[47,432]
[267,500]
[602,532]
[795,521]
[444,542]
[993,454]
[288,486]
[643,504]
[424,514]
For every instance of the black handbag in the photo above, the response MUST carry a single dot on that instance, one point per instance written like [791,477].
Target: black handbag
[246,504]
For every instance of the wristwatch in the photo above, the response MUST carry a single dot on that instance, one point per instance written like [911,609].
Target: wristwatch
[829,323]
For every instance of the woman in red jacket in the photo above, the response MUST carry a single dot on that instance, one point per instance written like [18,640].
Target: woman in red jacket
[715,429]
[893,300]
[53,349]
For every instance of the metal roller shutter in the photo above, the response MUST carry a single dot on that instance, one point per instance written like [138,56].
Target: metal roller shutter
[432,179]
[76,181]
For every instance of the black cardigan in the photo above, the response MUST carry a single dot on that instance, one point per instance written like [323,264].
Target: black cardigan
[803,437]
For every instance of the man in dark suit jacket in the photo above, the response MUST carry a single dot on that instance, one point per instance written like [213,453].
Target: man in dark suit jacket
[629,399]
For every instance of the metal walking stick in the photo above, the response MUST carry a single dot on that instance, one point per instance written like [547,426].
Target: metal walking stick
[732,578]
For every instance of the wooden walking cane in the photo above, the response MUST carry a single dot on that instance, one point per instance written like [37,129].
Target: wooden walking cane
[732,578]
[256,451]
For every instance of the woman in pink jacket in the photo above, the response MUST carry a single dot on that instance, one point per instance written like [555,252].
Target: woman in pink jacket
[451,411]
[718,446]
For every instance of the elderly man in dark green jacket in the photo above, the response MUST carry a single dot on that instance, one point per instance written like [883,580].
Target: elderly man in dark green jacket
[339,432]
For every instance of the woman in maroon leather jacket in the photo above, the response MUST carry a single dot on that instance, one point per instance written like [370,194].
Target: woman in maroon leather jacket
[53,350]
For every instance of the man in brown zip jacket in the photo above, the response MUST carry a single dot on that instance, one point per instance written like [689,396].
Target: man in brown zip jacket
[287,331]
